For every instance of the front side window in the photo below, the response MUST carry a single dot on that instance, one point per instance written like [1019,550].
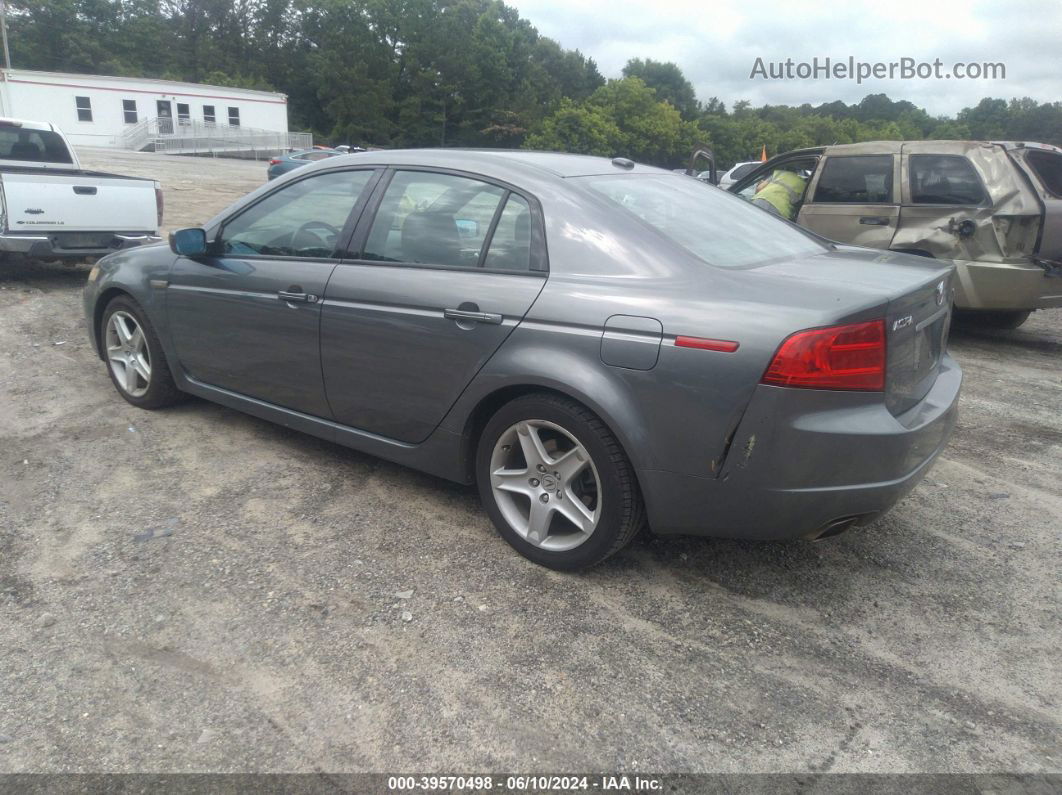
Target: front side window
[855,179]
[129,110]
[718,228]
[208,114]
[84,108]
[944,179]
[433,219]
[302,219]
[1048,167]
[234,117]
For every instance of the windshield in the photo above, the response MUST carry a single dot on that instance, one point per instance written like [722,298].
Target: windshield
[719,228]
[33,146]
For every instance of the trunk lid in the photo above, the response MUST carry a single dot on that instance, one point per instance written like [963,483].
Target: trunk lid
[38,202]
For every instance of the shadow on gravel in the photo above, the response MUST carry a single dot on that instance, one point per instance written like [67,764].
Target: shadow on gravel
[1003,338]
[44,276]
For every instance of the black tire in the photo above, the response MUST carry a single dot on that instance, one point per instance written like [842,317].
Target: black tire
[161,389]
[1001,319]
[622,509]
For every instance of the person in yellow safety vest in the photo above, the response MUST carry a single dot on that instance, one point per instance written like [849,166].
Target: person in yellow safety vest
[780,193]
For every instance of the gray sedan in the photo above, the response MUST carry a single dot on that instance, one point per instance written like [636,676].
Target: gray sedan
[598,345]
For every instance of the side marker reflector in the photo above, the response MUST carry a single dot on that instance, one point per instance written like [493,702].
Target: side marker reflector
[705,344]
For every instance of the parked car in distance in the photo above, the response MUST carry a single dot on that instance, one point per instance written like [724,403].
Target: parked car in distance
[594,343]
[54,209]
[282,164]
[736,172]
[995,209]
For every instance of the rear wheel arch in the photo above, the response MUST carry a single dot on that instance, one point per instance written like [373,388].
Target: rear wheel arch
[489,404]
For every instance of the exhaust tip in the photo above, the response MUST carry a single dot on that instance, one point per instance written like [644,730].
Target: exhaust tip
[833,528]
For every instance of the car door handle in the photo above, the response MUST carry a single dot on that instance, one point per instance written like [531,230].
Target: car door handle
[874,220]
[297,297]
[475,317]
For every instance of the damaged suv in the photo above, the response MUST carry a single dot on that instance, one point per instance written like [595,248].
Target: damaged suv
[994,208]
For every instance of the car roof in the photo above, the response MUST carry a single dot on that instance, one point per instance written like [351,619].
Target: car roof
[491,161]
[25,124]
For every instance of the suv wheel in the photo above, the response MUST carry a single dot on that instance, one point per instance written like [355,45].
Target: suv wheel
[556,482]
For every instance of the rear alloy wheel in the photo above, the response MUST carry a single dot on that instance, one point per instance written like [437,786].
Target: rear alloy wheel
[135,360]
[556,482]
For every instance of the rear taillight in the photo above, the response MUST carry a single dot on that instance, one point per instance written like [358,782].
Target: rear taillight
[158,204]
[274,161]
[839,357]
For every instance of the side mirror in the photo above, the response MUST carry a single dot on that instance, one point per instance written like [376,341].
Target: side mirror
[190,242]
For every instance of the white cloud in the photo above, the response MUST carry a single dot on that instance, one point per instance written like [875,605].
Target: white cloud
[716,44]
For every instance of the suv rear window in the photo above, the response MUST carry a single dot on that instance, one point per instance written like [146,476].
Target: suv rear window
[718,227]
[33,146]
[944,179]
[1048,167]
[856,179]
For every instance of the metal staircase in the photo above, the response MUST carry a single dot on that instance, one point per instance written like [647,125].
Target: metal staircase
[187,137]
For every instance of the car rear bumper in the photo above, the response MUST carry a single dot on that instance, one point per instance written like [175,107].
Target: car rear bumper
[1005,286]
[802,461]
[73,245]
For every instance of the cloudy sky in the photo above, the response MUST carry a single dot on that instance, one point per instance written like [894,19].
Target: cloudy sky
[716,43]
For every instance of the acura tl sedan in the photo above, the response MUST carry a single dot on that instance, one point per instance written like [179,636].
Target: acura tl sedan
[600,346]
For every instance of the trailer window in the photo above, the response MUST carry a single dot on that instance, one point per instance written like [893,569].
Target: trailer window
[84,108]
[234,117]
[129,110]
[1048,167]
[208,114]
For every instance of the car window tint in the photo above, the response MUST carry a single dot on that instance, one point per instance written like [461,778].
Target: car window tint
[1048,167]
[302,219]
[944,179]
[856,179]
[712,224]
[433,219]
[510,247]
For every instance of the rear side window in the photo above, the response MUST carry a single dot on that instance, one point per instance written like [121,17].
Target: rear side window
[433,219]
[302,219]
[1048,167]
[856,179]
[33,146]
[944,179]
[510,247]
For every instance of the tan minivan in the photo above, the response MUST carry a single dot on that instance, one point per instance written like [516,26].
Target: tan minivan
[994,208]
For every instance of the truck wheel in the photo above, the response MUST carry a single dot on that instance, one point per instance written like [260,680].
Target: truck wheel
[135,360]
[556,482]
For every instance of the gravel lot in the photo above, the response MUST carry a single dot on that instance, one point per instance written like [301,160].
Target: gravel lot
[195,589]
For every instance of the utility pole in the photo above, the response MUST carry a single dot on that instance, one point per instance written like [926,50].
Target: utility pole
[3,31]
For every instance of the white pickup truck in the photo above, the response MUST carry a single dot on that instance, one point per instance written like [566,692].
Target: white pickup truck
[50,208]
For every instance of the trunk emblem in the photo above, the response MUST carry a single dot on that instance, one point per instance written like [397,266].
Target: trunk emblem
[940,293]
[34,211]
[903,322]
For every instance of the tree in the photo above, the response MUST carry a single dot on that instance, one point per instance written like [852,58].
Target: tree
[667,80]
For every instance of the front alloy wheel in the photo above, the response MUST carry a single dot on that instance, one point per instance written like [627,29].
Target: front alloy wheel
[128,354]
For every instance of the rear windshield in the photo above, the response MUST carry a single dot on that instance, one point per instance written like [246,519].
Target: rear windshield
[33,146]
[1048,167]
[720,228]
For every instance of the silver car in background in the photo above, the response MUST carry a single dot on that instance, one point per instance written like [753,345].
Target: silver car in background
[598,345]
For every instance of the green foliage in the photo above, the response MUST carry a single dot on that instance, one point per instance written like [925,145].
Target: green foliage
[461,73]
